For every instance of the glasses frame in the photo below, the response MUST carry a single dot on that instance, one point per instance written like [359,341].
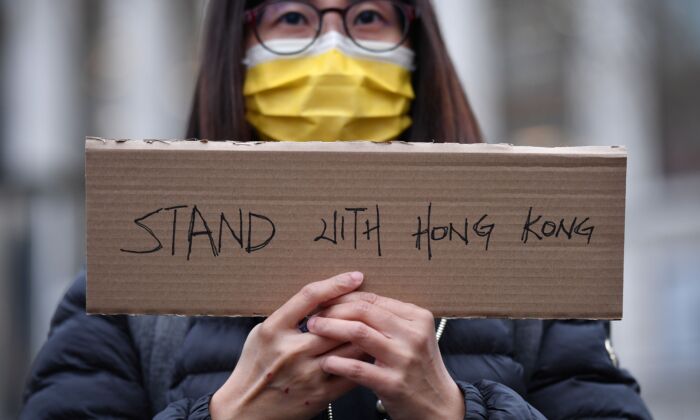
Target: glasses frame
[251,18]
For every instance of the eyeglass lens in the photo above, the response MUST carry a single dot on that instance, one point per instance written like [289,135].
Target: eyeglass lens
[376,25]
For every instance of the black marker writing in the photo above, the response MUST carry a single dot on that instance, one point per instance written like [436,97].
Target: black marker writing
[191,233]
[438,233]
[332,235]
[198,226]
[174,209]
[139,223]
[262,244]
[550,228]
[239,237]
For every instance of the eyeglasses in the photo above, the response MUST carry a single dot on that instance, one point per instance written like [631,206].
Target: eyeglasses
[288,27]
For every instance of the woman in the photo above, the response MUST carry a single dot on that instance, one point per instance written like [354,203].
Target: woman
[327,70]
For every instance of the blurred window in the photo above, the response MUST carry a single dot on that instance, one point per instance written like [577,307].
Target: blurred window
[679,85]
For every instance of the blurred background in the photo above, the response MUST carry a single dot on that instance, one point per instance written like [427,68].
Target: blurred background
[538,72]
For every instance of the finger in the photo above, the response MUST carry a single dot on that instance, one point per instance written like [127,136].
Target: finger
[347,350]
[314,345]
[405,310]
[375,316]
[311,295]
[360,334]
[379,379]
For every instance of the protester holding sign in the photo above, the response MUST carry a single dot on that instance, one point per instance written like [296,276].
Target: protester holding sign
[327,70]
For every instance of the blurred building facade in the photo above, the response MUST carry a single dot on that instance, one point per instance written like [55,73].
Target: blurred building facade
[541,72]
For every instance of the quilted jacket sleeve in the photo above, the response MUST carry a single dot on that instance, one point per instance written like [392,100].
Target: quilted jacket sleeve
[576,378]
[494,401]
[88,367]
[186,409]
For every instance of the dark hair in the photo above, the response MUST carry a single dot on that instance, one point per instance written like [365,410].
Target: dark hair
[440,112]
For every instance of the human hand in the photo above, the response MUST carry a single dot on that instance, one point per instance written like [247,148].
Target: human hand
[408,374]
[278,375]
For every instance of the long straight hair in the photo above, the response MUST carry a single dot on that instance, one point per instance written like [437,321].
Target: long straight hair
[440,111]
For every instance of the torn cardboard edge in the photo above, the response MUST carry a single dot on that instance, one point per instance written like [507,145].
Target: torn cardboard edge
[357,146]
[290,184]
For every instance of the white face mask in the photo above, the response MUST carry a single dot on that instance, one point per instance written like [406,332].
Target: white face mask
[333,90]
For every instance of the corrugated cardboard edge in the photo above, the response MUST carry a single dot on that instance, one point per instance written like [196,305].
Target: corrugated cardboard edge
[359,146]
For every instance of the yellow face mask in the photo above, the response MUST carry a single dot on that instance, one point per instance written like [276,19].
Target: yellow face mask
[332,91]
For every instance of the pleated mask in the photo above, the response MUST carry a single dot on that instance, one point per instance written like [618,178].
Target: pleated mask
[334,90]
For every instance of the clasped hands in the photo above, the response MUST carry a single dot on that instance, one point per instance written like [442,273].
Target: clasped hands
[355,338]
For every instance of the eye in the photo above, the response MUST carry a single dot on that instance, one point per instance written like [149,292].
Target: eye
[367,17]
[293,18]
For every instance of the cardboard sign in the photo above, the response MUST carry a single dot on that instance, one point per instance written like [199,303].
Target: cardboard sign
[227,228]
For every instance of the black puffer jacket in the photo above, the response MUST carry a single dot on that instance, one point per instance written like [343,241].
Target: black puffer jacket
[138,367]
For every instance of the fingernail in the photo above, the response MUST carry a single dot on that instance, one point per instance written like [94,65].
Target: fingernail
[310,322]
[350,279]
[356,278]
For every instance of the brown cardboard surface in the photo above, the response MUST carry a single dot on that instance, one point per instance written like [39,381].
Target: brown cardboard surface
[544,226]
